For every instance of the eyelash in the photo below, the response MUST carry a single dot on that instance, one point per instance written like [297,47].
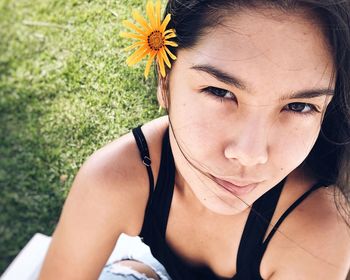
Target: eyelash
[221,95]
[215,92]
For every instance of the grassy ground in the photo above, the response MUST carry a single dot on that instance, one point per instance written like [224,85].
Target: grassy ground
[65,91]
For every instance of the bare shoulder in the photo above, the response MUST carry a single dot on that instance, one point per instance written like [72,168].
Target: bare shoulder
[108,197]
[116,175]
[314,241]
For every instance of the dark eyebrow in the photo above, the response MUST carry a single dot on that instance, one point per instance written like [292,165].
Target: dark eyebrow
[238,83]
[312,93]
[220,75]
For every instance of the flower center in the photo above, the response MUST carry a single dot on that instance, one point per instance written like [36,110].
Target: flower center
[155,40]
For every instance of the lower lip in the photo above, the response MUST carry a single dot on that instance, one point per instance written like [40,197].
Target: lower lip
[234,189]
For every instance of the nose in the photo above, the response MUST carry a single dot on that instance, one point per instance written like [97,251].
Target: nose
[249,144]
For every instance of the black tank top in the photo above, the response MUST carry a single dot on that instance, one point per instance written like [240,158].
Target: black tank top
[252,245]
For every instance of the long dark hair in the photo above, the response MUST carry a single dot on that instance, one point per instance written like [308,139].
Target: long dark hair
[330,157]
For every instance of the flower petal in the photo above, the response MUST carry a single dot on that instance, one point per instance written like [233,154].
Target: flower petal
[161,64]
[170,53]
[134,27]
[165,23]
[140,19]
[140,43]
[131,59]
[169,31]
[150,14]
[165,57]
[136,53]
[158,13]
[131,35]
[138,58]
[169,36]
[171,43]
[149,63]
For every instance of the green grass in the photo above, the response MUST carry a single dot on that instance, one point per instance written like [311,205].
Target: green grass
[65,91]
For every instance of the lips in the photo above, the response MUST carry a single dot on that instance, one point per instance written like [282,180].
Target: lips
[235,187]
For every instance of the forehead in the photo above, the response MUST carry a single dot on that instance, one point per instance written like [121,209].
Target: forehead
[268,49]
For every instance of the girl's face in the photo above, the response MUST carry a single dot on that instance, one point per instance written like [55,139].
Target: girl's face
[246,105]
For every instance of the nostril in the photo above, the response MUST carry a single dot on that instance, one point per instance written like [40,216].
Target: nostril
[247,155]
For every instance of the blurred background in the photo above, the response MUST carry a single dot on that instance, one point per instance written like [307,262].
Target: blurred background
[65,91]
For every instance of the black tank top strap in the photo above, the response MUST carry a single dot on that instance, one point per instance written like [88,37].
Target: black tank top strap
[266,242]
[288,211]
[159,202]
[145,157]
[163,193]
[252,246]
[259,219]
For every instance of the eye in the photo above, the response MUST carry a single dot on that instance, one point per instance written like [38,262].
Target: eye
[302,108]
[219,93]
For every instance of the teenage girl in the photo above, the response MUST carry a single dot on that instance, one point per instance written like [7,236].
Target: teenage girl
[247,176]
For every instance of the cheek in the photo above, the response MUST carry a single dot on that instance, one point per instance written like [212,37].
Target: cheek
[294,144]
[188,114]
[196,127]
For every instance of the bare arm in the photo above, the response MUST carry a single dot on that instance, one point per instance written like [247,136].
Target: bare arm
[105,200]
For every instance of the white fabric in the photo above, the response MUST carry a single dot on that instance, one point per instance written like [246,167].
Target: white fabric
[132,248]
[27,264]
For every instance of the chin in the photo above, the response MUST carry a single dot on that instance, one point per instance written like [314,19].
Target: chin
[224,204]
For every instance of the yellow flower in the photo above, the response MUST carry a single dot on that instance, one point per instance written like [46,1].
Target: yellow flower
[153,38]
